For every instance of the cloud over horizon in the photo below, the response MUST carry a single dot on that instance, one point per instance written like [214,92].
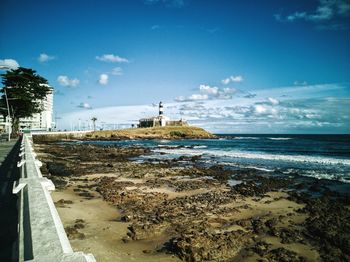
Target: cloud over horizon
[112,58]
[45,58]
[64,80]
[84,105]
[10,63]
[301,110]
[103,79]
[230,79]
[207,92]
[328,15]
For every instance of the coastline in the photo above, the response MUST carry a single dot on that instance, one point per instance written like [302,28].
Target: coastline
[168,132]
[191,211]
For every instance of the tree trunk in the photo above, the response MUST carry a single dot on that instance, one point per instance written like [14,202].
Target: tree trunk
[15,127]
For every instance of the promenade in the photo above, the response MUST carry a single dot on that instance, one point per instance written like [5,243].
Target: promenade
[8,201]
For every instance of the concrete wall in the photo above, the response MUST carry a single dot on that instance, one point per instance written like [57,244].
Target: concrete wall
[41,233]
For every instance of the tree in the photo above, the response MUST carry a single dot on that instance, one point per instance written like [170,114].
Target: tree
[25,91]
[94,122]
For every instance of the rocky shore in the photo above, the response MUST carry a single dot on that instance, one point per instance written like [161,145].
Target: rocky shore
[166,132]
[197,213]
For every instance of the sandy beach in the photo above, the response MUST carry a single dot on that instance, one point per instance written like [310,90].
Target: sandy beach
[121,210]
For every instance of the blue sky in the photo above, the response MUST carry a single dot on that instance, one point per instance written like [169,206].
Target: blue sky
[229,66]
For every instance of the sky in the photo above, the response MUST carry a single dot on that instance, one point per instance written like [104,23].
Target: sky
[228,66]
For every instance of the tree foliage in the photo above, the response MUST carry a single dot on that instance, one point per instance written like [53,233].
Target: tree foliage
[94,122]
[25,89]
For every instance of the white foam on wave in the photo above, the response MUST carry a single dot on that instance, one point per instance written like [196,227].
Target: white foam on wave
[168,146]
[252,167]
[261,168]
[246,137]
[280,138]
[323,175]
[259,155]
[198,147]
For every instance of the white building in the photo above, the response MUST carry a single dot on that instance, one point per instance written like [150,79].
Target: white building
[39,121]
[160,120]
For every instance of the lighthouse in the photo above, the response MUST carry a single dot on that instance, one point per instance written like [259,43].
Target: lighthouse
[160,109]
[160,120]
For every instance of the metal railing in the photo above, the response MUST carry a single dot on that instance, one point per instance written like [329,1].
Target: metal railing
[41,235]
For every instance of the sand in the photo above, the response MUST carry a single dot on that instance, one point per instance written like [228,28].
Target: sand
[103,232]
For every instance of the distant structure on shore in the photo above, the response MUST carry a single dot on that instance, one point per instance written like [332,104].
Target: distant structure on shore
[161,120]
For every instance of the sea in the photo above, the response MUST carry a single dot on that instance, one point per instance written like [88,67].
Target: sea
[325,157]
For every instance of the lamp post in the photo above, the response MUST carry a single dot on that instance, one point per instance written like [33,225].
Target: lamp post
[8,108]
[8,116]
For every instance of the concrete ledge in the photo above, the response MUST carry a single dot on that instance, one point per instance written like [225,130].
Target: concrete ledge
[41,233]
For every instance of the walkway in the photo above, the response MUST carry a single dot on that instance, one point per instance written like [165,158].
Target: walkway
[8,201]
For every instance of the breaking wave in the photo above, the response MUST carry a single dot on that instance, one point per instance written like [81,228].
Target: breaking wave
[246,137]
[280,138]
[261,156]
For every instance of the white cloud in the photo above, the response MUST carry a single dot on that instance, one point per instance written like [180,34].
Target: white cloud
[84,105]
[302,111]
[198,97]
[193,97]
[326,12]
[65,81]
[8,63]
[207,92]
[230,79]
[226,81]
[103,79]
[273,101]
[45,58]
[260,109]
[236,78]
[180,99]
[117,71]
[206,89]
[112,58]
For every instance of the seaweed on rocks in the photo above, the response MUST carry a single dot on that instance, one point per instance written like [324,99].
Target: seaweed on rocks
[206,246]
[260,186]
[329,225]
[57,169]
[284,255]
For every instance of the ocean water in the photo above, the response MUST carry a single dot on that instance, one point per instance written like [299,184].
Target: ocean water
[315,156]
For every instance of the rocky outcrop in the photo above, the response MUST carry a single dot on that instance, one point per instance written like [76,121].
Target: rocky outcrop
[205,246]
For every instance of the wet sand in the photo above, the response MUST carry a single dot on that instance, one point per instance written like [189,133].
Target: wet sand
[103,231]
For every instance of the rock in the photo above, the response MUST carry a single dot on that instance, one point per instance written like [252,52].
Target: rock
[259,226]
[79,223]
[63,203]
[125,218]
[57,169]
[261,248]
[284,255]
[73,233]
[195,246]
[126,239]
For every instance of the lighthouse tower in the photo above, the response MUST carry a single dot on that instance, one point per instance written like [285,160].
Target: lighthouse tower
[160,109]
[162,118]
